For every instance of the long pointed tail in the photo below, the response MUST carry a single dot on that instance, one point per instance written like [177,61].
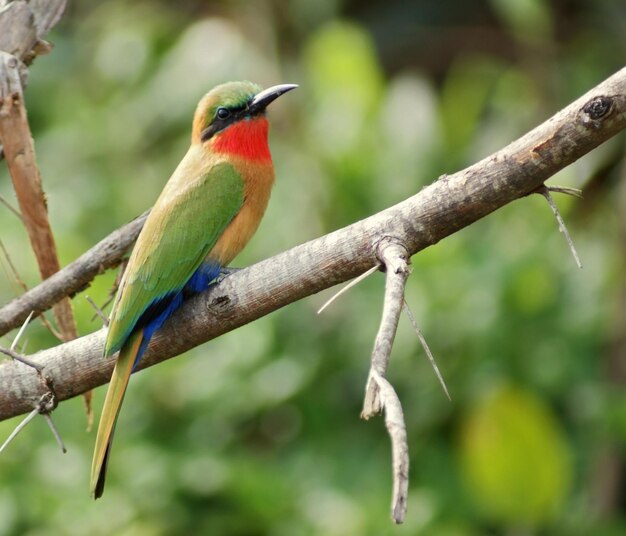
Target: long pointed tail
[111,410]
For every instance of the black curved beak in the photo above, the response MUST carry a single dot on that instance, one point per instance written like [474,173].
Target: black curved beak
[265,97]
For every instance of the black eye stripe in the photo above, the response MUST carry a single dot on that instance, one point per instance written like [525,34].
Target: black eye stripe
[223,117]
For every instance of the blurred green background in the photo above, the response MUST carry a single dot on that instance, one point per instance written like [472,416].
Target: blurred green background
[258,432]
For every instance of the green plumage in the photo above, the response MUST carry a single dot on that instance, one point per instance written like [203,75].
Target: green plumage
[185,223]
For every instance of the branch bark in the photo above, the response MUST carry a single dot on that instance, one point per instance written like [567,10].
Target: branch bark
[440,209]
[22,27]
[75,277]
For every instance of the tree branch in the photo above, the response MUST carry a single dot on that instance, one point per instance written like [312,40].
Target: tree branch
[440,209]
[379,393]
[75,277]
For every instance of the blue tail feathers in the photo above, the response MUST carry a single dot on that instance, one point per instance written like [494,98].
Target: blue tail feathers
[161,309]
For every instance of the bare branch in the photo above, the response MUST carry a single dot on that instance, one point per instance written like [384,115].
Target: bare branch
[379,393]
[394,257]
[424,219]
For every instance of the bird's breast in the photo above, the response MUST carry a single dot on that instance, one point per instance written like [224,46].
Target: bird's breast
[258,178]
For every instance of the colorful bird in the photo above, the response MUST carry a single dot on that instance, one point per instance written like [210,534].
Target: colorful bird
[205,215]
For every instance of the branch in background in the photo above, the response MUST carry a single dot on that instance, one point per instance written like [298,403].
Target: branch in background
[440,209]
[22,27]
[20,157]
[75,277]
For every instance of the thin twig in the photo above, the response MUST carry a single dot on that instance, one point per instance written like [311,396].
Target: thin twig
[379,393]
[55,332]
[21,358]
[351,284]
[7,204]
[429,354]
[16,275]
[19,428]
[24,287]
[99,313]
[21,331]
[545,192]
[567,190]
[55,432]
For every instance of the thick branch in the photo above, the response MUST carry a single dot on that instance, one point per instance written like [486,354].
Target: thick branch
[439,210]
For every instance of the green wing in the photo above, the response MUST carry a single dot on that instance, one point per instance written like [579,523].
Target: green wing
[184,225]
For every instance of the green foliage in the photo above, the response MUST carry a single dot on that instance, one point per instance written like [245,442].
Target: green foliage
[258,432]
[515,458]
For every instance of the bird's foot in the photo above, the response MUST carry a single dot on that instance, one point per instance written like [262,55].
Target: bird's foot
[225,271]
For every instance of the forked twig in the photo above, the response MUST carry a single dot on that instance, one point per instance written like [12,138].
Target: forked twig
[48,400]
[46,404]
[379,394]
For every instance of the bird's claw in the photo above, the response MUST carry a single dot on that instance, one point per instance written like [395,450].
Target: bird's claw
[224,273]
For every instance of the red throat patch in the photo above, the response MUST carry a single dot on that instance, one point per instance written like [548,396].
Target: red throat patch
[246,138]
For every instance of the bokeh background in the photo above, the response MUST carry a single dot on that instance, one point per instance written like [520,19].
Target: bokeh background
[258,432]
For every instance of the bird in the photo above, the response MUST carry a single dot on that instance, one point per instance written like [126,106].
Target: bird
[207,212]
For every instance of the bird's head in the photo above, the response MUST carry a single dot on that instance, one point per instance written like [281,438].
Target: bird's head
[231,113]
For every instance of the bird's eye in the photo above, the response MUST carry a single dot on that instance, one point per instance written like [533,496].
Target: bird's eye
[223,113]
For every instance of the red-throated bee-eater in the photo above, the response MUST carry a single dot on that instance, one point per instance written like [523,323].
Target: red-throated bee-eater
[205,215]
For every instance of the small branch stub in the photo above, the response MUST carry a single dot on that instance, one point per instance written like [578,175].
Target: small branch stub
[597,110]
